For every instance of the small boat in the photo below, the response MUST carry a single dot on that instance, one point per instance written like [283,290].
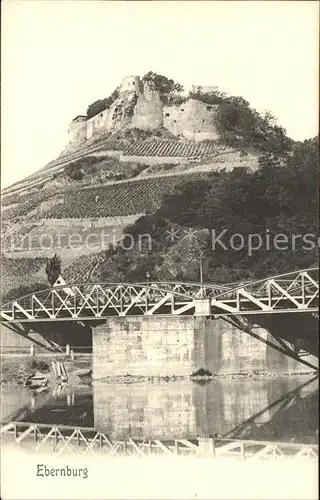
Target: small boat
[85,375]
[36,380]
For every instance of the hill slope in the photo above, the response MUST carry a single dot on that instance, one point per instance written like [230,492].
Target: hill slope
[253,181]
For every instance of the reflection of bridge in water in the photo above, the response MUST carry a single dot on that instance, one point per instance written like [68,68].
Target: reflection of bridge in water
[221,408]
[279,419]
[66,439]
[259,410]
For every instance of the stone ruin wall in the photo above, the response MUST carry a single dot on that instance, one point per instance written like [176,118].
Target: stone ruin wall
[193,120]
[97,122]
[114,118]
[78,131]
[148,112]
[139,107]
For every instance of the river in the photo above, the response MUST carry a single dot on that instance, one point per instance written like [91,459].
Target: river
[273,409]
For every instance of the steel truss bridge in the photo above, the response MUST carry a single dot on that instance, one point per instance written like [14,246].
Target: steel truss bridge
[295,292]
[84,440]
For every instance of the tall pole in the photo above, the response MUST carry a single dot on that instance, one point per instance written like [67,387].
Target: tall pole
[201,273]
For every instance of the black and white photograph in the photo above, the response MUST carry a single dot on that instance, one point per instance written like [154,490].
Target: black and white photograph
[159,250]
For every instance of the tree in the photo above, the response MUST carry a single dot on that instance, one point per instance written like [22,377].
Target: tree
[101,104]
[74,172]
[53,269]
[211,98]
[167,87]
[241,126]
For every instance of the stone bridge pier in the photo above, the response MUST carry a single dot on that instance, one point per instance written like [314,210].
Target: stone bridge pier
[180,345]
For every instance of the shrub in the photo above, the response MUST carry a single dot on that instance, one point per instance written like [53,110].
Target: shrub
[138,168]
[202,372]
[74,172]
[210,98]
[38,365]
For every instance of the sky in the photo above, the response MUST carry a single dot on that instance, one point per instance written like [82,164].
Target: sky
[59,56]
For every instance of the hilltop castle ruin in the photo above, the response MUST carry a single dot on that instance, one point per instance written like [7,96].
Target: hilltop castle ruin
[138,106]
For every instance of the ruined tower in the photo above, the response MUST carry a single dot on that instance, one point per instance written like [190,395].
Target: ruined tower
[139,106]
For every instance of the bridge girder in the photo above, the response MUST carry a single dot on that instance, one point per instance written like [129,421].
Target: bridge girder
[289,293]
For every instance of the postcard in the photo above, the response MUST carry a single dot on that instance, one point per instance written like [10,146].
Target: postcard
[159,250]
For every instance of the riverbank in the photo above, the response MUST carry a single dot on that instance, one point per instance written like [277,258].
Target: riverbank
[15,370]
[130,379]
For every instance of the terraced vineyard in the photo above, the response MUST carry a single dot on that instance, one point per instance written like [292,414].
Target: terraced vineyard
[25,205]
[19,272]
[119,199]
[169,148]
[71,236]
[80,269]
[17,239]
[109,200]
[16,267]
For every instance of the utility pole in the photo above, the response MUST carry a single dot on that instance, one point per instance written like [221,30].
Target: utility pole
[201,272]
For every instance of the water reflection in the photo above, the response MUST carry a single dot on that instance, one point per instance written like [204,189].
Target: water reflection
[181,410]
[288,418]
[60,405]
[283,409]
